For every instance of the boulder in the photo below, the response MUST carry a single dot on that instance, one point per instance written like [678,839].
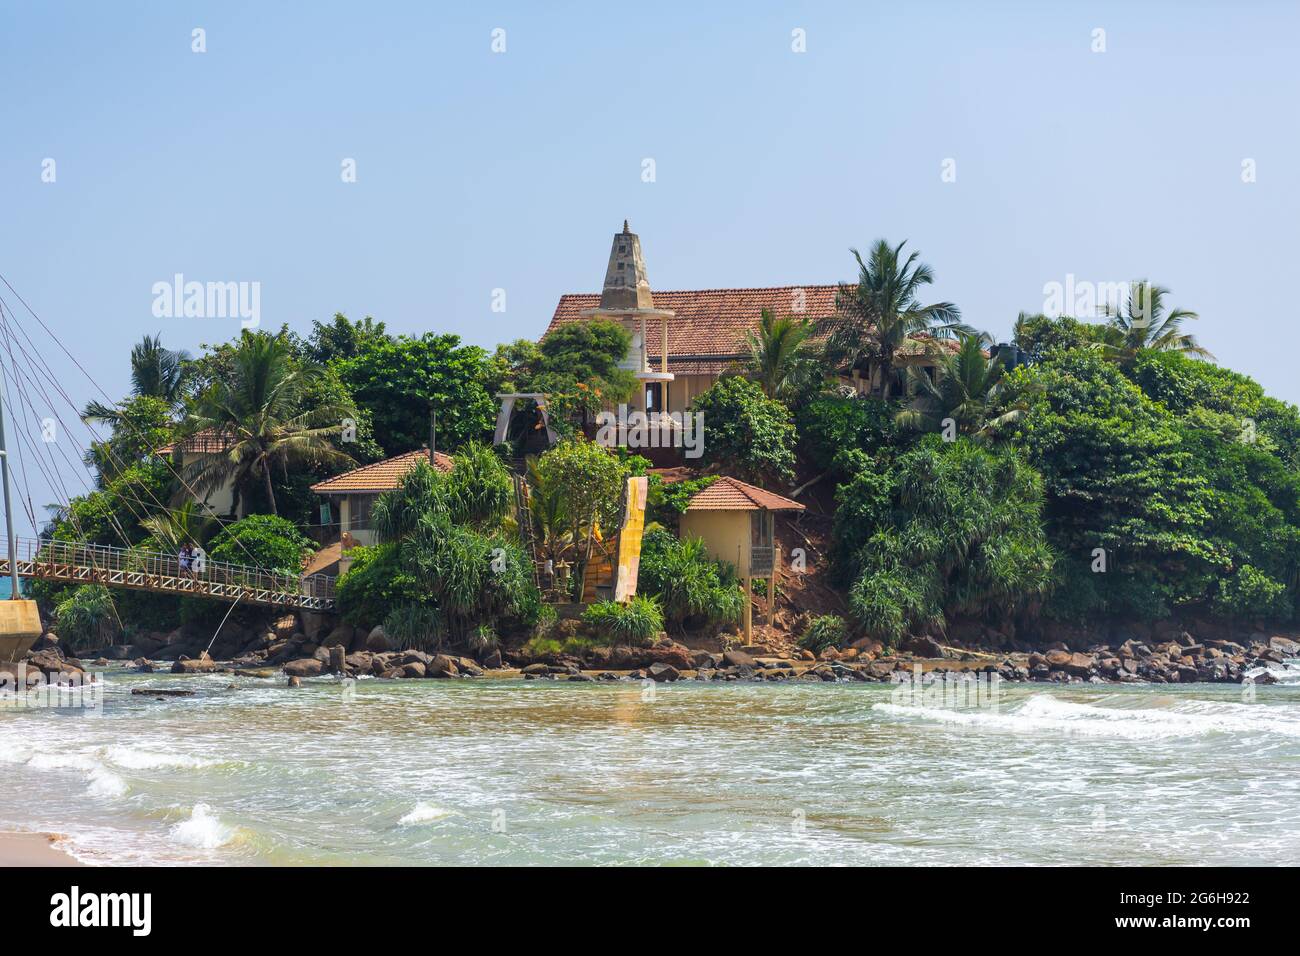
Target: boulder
[203,664]
[924,646]
[663,672]
[492,659]
[441,665]
[533,670]
[304,667]
[342,636]
[295,681]
[413,669]
[737,658]
[377,641]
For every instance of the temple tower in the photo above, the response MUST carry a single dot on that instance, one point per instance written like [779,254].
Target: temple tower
[626,298]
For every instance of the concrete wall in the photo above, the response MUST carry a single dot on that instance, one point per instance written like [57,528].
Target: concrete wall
[726,535]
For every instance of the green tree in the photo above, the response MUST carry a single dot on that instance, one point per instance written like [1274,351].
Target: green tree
[578,369]
[401,380]
[1143,323]
[967,388]
[267,542]
[342,338]
[156,372]
[746,432]
[877,316]
[958,531]
[262,412]
[779,359]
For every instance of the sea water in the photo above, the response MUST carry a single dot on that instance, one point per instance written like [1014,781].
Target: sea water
[370,772]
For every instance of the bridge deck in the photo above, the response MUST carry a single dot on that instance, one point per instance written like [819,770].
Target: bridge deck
[78,563]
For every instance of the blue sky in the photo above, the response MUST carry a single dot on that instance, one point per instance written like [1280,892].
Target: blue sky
[479,170]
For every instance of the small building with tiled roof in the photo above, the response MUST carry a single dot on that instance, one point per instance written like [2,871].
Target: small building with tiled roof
[353,493]
[737,523]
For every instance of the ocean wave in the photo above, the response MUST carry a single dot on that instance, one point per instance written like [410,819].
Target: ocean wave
[203,830]
[1043,712]
[132,758]
[423,813]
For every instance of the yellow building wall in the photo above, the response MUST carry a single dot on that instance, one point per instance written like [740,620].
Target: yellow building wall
[726,535]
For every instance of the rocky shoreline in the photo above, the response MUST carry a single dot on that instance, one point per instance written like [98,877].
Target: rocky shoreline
[348,652]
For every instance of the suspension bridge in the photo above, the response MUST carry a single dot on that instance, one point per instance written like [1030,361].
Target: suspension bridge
[141,570]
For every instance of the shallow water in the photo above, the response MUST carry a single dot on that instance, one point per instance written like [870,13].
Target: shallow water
[515,772]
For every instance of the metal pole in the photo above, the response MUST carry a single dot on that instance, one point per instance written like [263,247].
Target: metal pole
[9,511]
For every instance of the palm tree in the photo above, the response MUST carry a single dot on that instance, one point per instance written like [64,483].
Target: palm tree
[189,521]
[156,372]
[1143,324]
[967,387]
[258,413]
[778,357]
[878,315]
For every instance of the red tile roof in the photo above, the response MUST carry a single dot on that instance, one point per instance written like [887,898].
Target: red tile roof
[708,331]
[206,442]
[731,494]
[381,476]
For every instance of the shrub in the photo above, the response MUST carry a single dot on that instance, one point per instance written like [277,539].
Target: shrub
[635,623]
[414,627]
[479,491]
[375,584]
[822,632]
[689,584]
[745,431]
[832,424]
[86,619]
[263,541]
[1249,592]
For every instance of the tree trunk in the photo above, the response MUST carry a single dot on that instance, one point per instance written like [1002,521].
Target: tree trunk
[886,372]
[270,494]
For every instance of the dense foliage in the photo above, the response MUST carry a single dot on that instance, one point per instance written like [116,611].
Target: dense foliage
[692,588]
[262,541]
[635,623]
[745,432]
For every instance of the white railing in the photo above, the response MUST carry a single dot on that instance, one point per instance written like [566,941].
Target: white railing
[160,571]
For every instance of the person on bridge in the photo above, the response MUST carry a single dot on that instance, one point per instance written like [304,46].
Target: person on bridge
[185,557]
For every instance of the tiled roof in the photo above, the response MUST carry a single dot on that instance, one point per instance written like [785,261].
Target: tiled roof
[206,442]
[707,333]
[731,494]
[711,322]
[381,476]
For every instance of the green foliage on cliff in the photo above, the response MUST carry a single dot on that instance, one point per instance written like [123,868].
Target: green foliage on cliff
[746,433]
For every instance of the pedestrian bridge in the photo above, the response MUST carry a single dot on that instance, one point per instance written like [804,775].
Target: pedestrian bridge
[77,563]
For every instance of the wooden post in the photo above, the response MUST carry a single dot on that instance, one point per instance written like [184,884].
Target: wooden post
[771,585]
[749,610]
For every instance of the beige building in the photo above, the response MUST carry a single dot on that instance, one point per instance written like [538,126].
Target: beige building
[352,493]
[186,455]
[737,522]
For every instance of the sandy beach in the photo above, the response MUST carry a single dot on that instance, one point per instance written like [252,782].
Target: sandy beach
[33,849]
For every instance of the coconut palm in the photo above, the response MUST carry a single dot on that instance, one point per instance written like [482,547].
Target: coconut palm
[188,522]
[258,415]
[1143,324]
[156,372]
[877,316]
[967,387]
[779,360]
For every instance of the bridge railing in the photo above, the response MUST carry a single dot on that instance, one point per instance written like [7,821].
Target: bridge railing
[109,559]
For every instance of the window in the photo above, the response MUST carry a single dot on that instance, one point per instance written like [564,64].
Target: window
[654,396]
[760,529]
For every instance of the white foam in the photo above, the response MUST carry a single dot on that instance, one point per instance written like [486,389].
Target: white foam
[423,813]
[131,758]
[1044,712]
[203,830]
